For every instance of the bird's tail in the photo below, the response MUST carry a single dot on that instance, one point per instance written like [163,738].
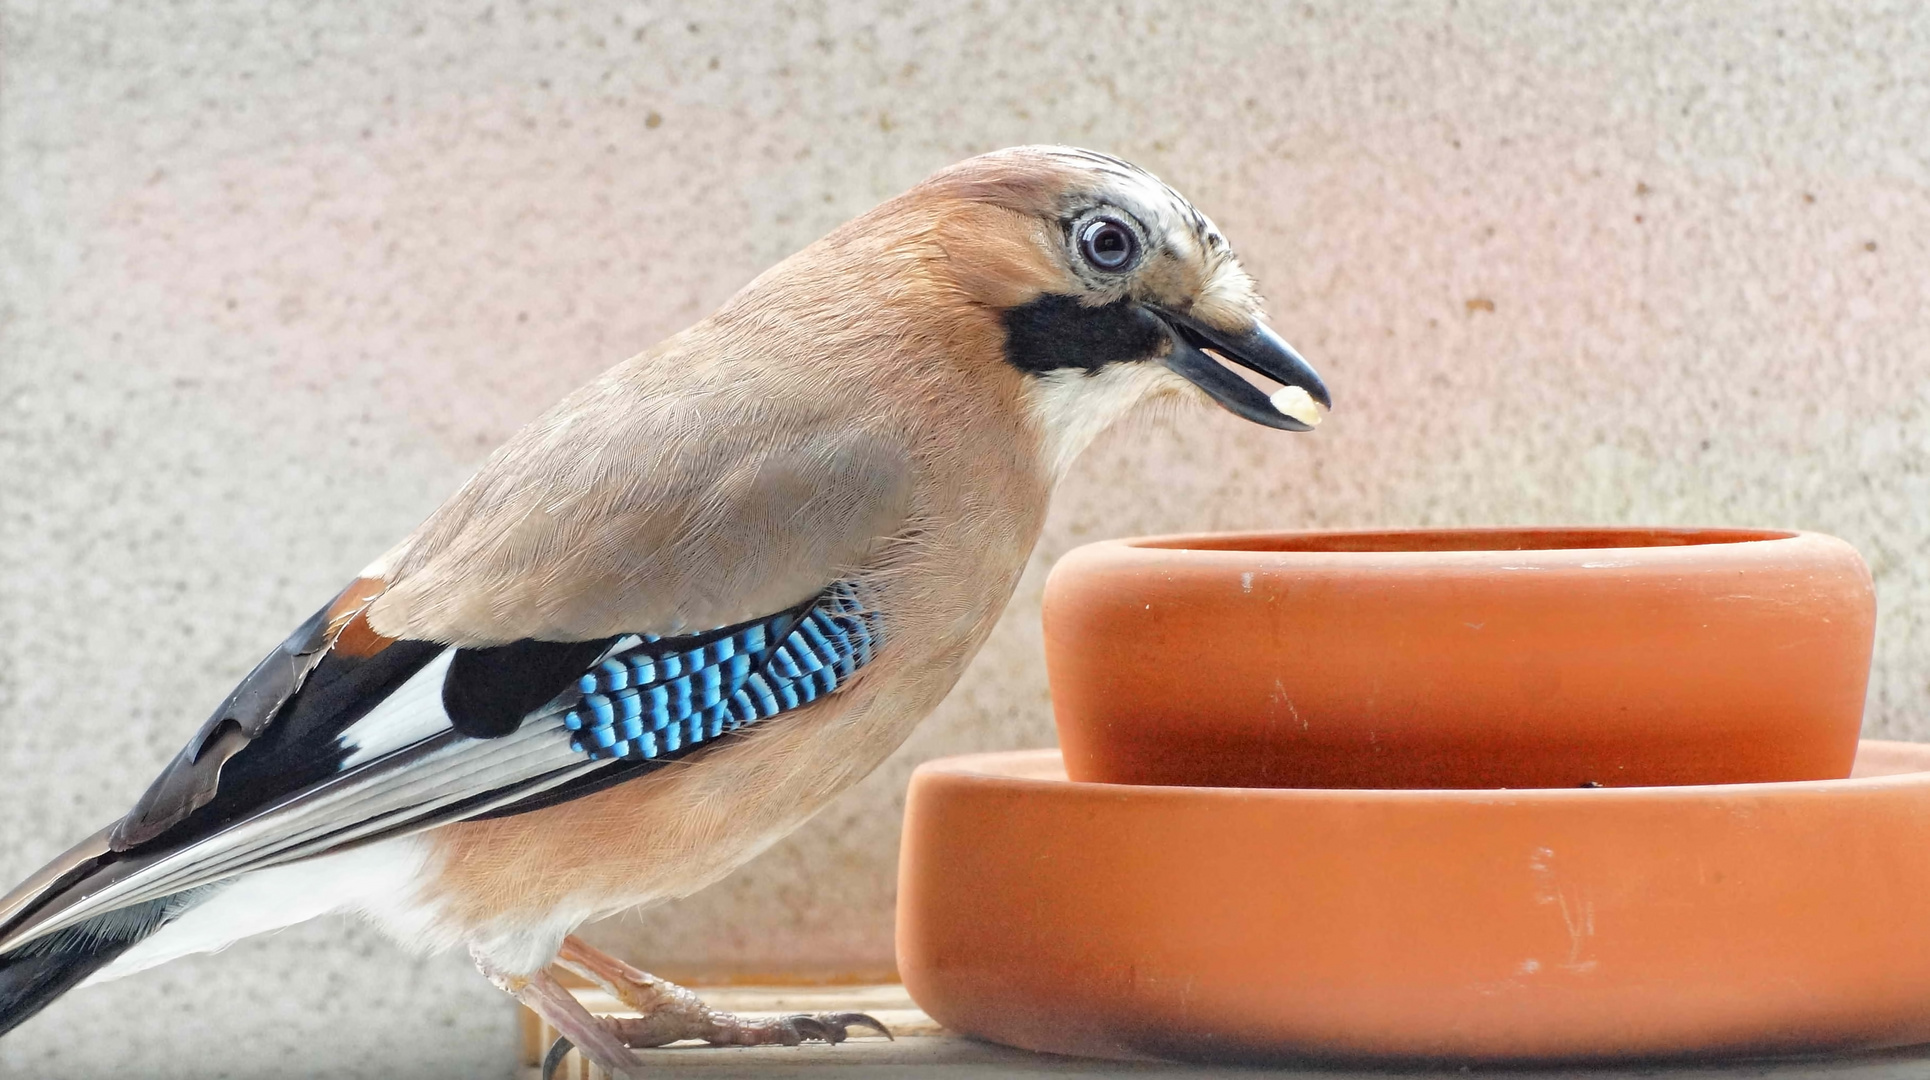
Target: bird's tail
[38,969]
[36,973]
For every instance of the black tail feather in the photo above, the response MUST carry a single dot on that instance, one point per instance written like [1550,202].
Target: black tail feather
[36,973]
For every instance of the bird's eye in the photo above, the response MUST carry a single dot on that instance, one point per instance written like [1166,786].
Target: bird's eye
[1108,245]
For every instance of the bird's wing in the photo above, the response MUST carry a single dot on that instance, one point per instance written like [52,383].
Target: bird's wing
[345,734]
[674,513]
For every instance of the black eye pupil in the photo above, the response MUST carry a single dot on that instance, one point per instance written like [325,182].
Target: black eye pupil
[1107,245]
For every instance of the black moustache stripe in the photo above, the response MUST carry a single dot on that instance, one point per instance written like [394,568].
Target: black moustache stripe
[1056,332]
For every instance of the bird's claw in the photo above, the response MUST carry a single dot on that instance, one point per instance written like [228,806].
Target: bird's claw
[729,1029]
[846,1020]
[559,1050]
[830,1028]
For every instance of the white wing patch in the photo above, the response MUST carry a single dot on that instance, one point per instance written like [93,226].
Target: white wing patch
[411,713]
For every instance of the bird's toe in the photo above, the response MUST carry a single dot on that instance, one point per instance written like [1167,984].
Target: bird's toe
[842,1022]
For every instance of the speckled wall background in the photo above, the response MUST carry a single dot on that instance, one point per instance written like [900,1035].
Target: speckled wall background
[276,276]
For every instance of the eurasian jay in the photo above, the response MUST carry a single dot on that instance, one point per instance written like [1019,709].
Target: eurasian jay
[676,615]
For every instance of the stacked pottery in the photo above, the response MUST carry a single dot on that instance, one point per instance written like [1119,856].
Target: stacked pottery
[1481,795]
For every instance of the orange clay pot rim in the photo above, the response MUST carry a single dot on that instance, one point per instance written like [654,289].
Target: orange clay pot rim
[1461,541]
[1023,769]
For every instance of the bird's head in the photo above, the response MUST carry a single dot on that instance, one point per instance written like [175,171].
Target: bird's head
[1111,289]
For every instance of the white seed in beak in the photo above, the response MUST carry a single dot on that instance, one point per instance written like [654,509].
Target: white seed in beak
[1294,401]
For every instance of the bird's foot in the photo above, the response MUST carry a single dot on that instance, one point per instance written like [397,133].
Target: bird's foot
[720,1028]
[548,999]
[670,1013]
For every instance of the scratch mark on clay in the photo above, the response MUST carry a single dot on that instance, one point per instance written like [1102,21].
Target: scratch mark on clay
[1280,695]
[1246,582]
[1576,907]
[1579,917]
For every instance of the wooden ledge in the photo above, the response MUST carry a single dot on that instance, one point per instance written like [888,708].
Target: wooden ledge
[924,1049]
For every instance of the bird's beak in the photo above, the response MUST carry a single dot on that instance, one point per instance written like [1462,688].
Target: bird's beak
[1256,348]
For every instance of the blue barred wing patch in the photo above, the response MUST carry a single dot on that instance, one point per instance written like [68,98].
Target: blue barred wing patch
[657,697]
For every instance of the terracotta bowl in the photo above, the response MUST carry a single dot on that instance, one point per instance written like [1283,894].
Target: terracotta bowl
[1461,658]
[1555,924]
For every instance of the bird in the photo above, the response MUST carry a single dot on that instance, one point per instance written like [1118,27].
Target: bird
[678,613]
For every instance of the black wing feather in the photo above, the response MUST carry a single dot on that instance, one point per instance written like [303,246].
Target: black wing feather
[189,782]
[278,731]
[488,692]
[300,748]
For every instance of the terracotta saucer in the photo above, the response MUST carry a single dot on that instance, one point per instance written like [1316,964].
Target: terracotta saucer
[1460,657]
[1557,924]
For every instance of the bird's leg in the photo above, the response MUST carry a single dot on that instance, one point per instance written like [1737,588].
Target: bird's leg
[548,999]
[671,1012]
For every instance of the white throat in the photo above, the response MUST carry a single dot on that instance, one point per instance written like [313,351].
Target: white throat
[1070,407]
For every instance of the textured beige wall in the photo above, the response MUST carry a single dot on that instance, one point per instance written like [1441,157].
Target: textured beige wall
[276,276]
